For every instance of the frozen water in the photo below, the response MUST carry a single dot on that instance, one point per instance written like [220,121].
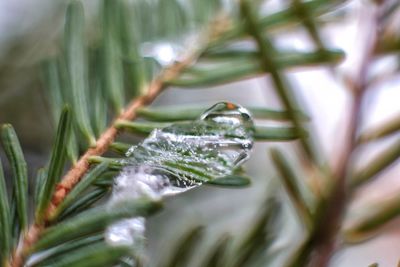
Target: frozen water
[127,232]
[179,157]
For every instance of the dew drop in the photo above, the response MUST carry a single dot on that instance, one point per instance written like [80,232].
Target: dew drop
[228,113]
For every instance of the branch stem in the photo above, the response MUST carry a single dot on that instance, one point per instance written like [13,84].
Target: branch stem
[325,234]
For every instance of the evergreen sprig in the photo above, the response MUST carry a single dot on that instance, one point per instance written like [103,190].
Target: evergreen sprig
[88,85]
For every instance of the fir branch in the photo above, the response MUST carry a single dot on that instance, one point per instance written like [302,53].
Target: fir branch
[77,171]
[321,241]
[170,75]
[106,139]
[269,64]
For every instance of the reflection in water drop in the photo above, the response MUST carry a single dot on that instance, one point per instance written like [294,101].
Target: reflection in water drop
[179,157]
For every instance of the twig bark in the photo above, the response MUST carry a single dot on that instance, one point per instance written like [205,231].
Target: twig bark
[325,234]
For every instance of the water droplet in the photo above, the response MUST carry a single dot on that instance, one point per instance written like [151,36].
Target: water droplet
[228,113]
[236,126]
[179,157]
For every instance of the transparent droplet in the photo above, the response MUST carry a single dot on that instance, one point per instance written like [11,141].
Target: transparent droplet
[228,113]
[236,125]
[179,157]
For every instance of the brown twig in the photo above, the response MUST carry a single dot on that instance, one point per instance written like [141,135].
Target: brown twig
[326,233]
[74,175]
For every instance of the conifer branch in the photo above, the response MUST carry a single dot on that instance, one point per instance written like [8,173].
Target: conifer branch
[74,175]
[236,65]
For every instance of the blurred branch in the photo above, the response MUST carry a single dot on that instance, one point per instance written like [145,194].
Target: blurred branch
[332,209]
[374,216]
[269,64]
[377,165]
[290,181]
[382,130]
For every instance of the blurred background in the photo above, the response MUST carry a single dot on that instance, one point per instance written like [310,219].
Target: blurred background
[30,32]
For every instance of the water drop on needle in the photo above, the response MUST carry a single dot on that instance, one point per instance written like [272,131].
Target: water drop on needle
[179,157]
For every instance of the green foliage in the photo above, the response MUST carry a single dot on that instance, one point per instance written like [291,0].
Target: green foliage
[76,68]
[269,63]
[87,180]
[91,255]
[385,129]
[17,161]
[218,253]
[260,235]
[261,133]
[185,248]
[377,165]
[291,183]
[5,218]
[233,65]
[84,202]
[113,68]
[98,80]
[93,221]
[182,113]
[56,166]
[233,180]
